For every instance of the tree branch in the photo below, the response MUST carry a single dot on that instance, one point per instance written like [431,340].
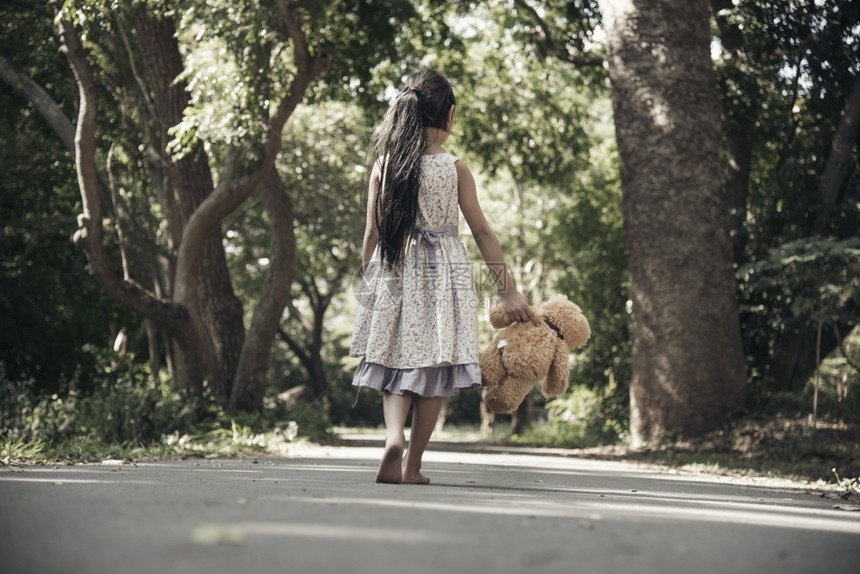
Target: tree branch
[46,106]
[41,100]
[545,39]
[301,51]
[228,195]
[248,391]
[90,234]
[114,199]
[306,324]
[843,143]
[302,354]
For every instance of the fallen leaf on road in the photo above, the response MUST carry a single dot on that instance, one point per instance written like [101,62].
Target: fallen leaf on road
[834,495]
[211,534]
[847,507]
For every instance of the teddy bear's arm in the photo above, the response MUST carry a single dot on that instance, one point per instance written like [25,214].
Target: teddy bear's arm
[559,369]
[499,317]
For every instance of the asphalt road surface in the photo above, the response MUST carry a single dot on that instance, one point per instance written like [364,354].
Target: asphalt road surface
[487,510]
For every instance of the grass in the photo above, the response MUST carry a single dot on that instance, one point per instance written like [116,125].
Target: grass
[236,441]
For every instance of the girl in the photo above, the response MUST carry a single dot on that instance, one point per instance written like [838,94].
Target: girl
[416,320]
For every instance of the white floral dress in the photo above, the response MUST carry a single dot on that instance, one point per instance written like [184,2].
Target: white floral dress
[416,325]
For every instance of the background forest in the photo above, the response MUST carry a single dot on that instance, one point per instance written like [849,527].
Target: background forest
[186,274]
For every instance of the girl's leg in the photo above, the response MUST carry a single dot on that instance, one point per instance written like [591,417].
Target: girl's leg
[423,422]
[394,410]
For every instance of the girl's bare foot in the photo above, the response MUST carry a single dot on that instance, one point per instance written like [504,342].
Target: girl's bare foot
[390,469]
[414,478]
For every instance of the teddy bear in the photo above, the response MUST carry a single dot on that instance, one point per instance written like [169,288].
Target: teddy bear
[522,354]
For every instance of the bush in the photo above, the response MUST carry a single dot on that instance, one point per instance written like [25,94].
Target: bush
[579,419]
[118,410]
[122,405]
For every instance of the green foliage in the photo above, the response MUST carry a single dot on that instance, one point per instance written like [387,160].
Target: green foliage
[124,413]
[116,402]
[579,419]
[839,384]
[519,114]
[849,486]
[801,283]
[588,242]
[809,279]
[785,77]
[235,440]
[49,306]
[324,168]
[18,451]
[570,25]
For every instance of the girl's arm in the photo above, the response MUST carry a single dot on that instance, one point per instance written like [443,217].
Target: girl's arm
[371,233]
[516,304]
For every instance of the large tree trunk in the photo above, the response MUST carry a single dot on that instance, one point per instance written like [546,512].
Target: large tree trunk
[219,308]
[688,369]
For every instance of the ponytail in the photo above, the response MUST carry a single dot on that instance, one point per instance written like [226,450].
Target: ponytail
[398,144]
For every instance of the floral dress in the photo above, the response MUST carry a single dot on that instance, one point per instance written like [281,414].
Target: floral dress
[416,324]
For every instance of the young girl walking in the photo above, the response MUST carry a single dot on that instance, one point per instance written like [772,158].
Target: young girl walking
[416,319]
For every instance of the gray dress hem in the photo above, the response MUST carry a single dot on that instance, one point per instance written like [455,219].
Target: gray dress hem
[436,381]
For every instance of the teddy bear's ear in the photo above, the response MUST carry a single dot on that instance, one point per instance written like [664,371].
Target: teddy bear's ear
[499,318]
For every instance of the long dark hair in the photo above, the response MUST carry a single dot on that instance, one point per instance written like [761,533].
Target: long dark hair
[398,144]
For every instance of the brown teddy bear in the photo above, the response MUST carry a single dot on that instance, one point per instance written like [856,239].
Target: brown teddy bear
[523,353]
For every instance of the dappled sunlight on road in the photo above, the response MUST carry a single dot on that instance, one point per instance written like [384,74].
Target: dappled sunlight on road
[236,532]
[62,481]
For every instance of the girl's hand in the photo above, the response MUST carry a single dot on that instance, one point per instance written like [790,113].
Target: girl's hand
[517,307]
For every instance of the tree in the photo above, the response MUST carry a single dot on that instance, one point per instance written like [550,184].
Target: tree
[788,80]
[688,370]
[181,113]
[200,311]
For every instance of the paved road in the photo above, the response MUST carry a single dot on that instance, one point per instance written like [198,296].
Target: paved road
[508,510]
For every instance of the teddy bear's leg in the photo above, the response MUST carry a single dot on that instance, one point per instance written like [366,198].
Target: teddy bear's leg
[506,396]
[492,370]
[559,371]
